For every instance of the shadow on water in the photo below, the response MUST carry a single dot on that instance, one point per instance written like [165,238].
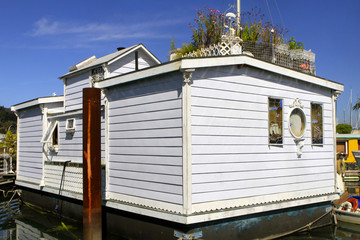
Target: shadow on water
[19,220]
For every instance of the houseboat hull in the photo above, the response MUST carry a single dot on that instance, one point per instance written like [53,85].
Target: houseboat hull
[261,225]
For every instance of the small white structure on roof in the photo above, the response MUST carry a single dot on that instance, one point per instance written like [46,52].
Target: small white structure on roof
[188,141]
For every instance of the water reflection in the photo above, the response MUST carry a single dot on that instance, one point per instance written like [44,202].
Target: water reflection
[21,221]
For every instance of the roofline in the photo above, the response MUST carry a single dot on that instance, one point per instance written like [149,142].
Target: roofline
[205,62]
[136,47]
[37,101]
[347,136]
[128,51]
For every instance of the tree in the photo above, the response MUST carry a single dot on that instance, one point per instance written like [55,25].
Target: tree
[357,106]
[9,143]
[7,120]
[343,128]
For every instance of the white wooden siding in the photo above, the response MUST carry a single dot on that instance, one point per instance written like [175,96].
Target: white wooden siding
[73,91]
[145,139]
[230,153]
[70,145]
[29,146]
[127,64]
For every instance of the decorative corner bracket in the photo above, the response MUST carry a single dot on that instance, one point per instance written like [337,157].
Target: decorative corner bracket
[187,75]
[336,94]
[296,104]
[299,145]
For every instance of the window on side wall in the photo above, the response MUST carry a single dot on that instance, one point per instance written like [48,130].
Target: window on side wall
[51,136]
[275,121]
[317,133]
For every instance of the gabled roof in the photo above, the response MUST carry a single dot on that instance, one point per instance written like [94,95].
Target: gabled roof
[93,62]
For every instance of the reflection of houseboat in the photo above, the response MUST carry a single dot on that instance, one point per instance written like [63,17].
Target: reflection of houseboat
[189,143]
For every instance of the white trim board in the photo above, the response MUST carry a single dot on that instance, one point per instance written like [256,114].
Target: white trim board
[37,101]
[220,214]
[206,62]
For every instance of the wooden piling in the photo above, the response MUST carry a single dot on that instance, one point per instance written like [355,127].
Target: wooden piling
[92,222]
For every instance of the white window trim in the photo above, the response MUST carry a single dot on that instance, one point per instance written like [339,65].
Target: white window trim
[68,129]
[322,123]
[47,136]
[282,125]
[49,132]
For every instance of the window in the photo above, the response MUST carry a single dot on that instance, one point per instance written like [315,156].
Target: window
[297,123]
[51,136]
[70,125]
[316,124]
[275,121]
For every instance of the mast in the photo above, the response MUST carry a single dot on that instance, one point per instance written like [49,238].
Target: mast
[351,120]
[238,15]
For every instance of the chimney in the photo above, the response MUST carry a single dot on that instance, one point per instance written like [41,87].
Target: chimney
[120,48]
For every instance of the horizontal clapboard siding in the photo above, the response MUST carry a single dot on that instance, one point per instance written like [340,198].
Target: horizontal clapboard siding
[231,157]
[71,144]
[145,139]
[30,156]
[127,64]
[74,90]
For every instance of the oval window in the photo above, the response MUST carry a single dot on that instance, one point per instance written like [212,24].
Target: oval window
[297,123]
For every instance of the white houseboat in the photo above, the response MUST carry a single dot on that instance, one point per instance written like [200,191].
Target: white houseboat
[199,147]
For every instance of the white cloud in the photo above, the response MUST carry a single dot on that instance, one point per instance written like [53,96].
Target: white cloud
[103,31]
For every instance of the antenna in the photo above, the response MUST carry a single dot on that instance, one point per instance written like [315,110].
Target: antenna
[238,15]
[351,120]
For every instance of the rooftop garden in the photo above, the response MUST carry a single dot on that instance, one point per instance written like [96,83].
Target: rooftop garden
[218,34]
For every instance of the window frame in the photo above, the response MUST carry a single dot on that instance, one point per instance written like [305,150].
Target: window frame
[72,129]
[51,136]
[282,122]
[322,123]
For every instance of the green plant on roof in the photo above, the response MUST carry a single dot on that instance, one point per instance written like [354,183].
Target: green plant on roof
[209,25]
[293,44]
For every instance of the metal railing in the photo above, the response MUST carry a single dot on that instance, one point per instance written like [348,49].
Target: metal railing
[279,54]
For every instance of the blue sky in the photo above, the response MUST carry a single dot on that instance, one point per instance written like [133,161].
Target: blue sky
[41,39]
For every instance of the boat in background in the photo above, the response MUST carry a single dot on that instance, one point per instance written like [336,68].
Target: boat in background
[347,209]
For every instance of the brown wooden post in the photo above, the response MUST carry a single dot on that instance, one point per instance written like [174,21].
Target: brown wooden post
[92,223]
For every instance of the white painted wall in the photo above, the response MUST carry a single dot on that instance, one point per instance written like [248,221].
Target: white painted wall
[127,63]
[231,158]
[145,139]
[29,166]
[73,91]
[70,144]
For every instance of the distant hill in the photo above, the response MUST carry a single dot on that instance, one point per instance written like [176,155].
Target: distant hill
[7,120]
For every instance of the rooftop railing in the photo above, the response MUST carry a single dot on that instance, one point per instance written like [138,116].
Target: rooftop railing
[279,54]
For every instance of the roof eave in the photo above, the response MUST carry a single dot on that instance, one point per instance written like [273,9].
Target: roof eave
[204,62]
[37,101]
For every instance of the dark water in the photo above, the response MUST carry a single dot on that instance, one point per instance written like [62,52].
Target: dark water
[23,221]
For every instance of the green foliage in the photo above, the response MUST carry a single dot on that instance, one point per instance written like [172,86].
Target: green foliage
[186,48]
[9,143]
[7,119]
[293,44]
[343,128]
[357,106]
[172,44]
[256,29]
[208,27]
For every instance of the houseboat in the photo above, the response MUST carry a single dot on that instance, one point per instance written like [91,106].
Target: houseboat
[211,147]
